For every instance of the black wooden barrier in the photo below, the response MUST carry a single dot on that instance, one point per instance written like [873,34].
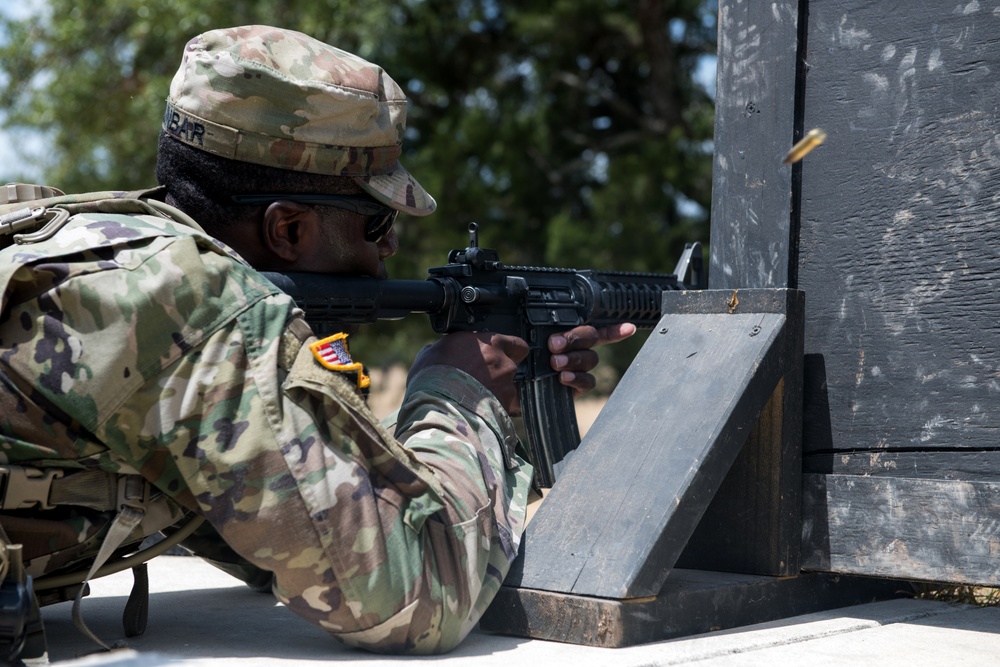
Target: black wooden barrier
[900,261]
[856,432]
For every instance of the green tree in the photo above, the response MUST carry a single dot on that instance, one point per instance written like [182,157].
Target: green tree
[573,131]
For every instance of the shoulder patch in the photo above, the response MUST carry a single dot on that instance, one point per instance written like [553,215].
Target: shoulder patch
[332,352]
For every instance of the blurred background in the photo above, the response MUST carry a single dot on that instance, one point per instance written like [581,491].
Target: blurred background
[577,133]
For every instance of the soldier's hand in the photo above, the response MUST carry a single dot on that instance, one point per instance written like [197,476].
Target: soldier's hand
[490,358]
[573,355]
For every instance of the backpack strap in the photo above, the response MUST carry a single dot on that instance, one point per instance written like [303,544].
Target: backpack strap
[22,192]
[24,487]
[129,516]
[48,209]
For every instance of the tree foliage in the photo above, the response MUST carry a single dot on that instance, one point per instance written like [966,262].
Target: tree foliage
[572,131]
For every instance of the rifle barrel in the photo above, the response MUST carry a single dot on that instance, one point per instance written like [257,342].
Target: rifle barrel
[359,300]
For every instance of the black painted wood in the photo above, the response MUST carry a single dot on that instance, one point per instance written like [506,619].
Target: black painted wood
[936,530]
[691,602]
[622,511]
[754,234]
[900,247]
[753,525]
[982,466]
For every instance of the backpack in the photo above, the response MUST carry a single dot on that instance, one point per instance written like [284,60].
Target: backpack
[31,213]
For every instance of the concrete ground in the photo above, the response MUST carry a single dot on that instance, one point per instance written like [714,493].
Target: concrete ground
[200,617]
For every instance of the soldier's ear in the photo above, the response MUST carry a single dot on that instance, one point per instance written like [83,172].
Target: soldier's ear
[289,230]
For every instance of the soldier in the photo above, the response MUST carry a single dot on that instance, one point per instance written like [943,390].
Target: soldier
[143,343]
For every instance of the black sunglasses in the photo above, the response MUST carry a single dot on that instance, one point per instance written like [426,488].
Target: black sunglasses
[380,216]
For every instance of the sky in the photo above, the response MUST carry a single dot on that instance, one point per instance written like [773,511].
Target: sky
[30,142]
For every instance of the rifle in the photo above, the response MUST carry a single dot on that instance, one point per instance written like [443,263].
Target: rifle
[476,292]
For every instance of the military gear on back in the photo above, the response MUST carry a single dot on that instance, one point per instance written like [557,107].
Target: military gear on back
[130,507]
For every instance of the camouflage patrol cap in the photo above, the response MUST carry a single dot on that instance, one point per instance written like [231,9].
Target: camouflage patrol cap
[282,99]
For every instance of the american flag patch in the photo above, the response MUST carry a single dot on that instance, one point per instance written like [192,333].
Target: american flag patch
[331,352]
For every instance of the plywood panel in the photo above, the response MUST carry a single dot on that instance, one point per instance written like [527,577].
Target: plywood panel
[936,530]
[753,230]
[900,245]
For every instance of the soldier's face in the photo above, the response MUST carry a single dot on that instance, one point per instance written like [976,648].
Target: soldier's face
[343,249]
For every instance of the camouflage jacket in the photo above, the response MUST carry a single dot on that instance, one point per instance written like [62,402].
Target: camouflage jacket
[136,344]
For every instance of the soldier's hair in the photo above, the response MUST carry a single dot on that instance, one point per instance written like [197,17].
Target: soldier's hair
[201,184]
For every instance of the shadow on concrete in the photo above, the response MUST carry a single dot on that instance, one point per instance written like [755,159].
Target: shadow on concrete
[232,622]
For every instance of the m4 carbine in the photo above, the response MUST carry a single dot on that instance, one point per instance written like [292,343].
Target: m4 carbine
[476,292]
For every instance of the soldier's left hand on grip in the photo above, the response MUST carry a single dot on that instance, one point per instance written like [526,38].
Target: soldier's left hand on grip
[573,356]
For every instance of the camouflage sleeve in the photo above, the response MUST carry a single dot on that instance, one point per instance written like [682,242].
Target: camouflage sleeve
[394,545]
[456,426]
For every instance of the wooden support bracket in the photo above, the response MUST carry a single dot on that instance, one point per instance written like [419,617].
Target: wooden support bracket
[632,495]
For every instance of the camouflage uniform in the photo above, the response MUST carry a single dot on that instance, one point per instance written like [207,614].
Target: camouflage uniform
[137,344]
